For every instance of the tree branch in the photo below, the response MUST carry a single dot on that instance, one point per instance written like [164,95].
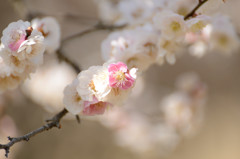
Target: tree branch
[192,13]
[54,122]
[97,27]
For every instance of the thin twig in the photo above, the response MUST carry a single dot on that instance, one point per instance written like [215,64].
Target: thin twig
[192,13]
[54,122]
[99,26]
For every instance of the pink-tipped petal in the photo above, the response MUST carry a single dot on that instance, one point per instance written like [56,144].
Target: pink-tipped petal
[15,45]
[119,76]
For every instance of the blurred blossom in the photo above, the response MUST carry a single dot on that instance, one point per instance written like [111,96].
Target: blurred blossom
[136,48]
[134,131]
[167,49]
[171,25]
[46,86]
[50,29]
[223,37]
[198,49]
[183,110]
[128,11]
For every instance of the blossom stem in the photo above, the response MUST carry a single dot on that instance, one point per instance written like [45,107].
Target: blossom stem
[192,13]
[54,122]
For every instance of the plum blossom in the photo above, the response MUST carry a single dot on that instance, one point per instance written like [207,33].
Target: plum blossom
[24,42]
[119,76]
[15,34]
[50,29]
[223,36]
[86,87]
[136,48]
[170,24]
[72,101]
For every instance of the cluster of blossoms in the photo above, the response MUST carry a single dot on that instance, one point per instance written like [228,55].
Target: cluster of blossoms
[98,88]
[22,48]
[158,31]
[179,115]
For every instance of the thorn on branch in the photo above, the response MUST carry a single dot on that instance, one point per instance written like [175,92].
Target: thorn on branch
[10,138]
[78,119]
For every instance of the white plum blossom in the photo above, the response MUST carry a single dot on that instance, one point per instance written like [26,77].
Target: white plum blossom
[170,24]
[223,36]
[72,101]
[136,48]
[50,29]
[9,77]
[86,87]
[17,66]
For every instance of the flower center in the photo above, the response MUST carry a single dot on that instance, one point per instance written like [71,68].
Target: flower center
[92,86]
[77,98]
[120,76]
[175,26]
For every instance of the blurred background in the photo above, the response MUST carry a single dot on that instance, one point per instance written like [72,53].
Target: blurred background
[217,138]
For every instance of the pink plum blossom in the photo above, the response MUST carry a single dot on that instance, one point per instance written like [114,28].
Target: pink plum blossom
[119,76]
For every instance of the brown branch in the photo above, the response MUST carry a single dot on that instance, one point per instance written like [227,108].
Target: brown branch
[192,13]
[99,26]
[54,122]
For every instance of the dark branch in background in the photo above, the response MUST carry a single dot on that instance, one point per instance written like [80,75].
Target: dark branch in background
[193,12]
[54,122]
[99,26]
